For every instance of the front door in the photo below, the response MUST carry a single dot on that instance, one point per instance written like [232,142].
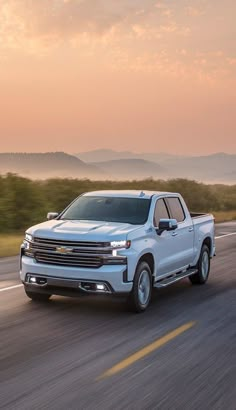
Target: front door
[165,243]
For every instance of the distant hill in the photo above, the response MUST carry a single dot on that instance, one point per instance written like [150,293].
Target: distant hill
[213,167]
[102,155]
[47,165]
[130,169]
[209,168]
[218,167]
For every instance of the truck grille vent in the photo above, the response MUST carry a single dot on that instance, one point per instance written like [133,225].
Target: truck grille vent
[69,260]
[70,253]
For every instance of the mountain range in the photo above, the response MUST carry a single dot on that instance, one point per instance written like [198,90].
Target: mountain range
[102,155]
[48,165]
[219,167]
[109,164]
[130,168]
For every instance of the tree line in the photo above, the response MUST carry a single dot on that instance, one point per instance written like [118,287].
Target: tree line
[24,202]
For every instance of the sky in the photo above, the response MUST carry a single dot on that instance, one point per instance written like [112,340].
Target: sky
[79,75]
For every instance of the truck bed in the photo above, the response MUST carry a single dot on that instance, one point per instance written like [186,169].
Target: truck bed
[201,219]
[198,214]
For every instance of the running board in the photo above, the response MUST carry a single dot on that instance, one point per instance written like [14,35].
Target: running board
[175,278]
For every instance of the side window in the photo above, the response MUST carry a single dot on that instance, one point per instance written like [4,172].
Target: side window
[161,212]
[176,209]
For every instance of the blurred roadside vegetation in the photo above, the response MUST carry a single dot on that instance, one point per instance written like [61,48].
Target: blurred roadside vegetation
[24,202]
[10,244]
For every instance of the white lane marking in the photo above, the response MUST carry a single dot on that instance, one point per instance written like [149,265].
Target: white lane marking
[223,236]
[10,287]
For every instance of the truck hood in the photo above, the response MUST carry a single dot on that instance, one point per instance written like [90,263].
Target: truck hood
[82,230]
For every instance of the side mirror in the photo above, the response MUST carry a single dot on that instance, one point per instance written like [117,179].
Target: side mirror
[166,225]
[52,215]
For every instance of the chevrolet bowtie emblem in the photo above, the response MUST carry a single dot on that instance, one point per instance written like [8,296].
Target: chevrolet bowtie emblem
[64,250]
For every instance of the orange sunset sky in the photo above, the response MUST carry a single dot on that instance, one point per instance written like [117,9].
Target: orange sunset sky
[147,75]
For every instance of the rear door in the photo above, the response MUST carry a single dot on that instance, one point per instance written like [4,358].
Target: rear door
[184,235]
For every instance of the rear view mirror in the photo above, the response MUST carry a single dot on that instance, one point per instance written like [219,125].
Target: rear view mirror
[52,215]
[167,225]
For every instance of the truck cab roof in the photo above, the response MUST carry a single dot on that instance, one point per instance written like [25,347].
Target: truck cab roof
[129,193]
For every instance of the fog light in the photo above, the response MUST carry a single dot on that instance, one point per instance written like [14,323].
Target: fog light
[100,286]
[33,279]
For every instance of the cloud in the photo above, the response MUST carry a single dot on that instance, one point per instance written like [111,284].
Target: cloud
[135,35]
[209,67]
[37,27]
[195,11]
[28,23]
[68,16]
[150,32]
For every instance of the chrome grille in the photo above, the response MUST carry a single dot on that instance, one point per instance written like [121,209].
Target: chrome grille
[88,251]
[81,261]
[70,253]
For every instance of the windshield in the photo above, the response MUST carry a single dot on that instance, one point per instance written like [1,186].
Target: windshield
[123,210]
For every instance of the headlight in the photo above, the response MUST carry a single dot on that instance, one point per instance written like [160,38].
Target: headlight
[120,244]
[26,246]
[28,237]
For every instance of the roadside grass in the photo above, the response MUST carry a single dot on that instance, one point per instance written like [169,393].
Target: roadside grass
[10,242]
[224,216]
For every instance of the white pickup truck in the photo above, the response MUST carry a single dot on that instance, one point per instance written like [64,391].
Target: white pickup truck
[117,242]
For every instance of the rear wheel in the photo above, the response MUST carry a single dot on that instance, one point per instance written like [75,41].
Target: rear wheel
[37,297]
[140,296]
[203,267]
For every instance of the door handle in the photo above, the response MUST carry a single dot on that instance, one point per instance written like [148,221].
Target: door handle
[190,229]
[174,234]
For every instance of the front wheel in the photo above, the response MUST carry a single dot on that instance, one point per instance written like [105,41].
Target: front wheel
[140,296]
[203,267]
[37,297]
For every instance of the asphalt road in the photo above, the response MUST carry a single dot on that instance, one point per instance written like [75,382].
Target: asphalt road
[62,355]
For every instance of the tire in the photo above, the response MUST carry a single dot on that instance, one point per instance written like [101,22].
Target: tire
[37,297]
[140,295]
[203,267]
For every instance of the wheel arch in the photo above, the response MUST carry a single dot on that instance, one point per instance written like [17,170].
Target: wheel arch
[148,258]
[208,242]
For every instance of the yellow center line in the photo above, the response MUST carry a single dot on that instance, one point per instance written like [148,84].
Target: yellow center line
[146,350]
